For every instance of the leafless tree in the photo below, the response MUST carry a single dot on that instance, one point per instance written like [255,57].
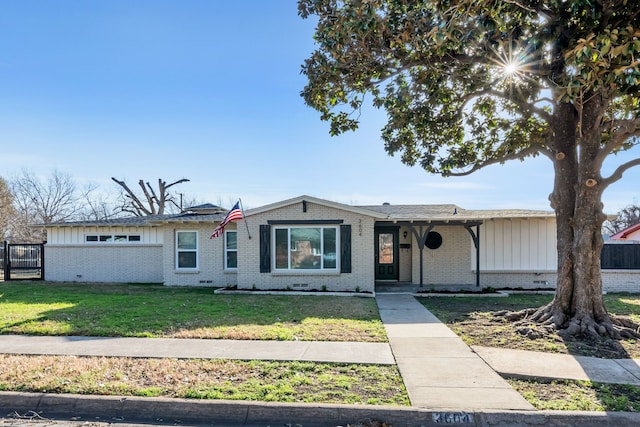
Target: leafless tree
[7,211]
[151,202]
[627,217]
[98,205]
[39,201]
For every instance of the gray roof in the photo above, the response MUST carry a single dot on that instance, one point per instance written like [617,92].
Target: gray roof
[209,214]
[206,208]
[143,221]
[401,212]
[451,212]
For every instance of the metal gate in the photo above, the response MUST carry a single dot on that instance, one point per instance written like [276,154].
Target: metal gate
[22,261]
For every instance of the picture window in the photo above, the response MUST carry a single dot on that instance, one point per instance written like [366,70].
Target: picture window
[306,248]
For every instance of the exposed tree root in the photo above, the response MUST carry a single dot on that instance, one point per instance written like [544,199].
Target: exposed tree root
[626,327]
[529,321]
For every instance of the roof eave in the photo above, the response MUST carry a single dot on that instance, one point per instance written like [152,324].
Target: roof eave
[315,200]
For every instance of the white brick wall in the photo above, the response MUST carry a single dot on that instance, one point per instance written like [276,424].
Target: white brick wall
[621,280]
[104,263]
[210,270]
[612,280]
[362,254]
[449,264]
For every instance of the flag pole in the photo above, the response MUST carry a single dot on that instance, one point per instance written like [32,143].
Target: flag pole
[244,217]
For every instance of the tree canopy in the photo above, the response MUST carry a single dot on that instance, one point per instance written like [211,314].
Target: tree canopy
[467,84]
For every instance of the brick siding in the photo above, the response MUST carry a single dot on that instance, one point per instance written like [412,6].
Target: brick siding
[104,263]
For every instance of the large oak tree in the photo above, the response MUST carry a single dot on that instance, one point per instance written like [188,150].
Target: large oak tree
[468,83]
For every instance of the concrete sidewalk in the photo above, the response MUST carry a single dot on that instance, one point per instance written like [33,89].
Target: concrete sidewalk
[316,351]
[532,364]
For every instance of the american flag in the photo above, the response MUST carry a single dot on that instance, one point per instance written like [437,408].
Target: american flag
[234,214]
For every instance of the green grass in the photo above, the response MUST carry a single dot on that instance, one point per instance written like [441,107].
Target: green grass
[136,310]
[579,395]
[205,379]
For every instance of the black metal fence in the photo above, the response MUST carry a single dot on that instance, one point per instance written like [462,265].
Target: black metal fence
[22,261]
[621,256]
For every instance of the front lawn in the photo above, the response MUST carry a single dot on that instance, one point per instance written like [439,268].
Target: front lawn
[205,379]
[156,311]
[140,310]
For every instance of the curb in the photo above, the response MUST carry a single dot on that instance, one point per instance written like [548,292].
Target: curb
[118,409]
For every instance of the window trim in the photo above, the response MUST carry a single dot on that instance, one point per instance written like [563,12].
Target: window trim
[297,224]
[178,251]
[227,250]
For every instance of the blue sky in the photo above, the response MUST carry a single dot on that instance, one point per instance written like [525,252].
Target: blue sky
[209,90]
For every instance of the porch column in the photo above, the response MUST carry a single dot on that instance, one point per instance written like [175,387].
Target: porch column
[421,238]
[476,242]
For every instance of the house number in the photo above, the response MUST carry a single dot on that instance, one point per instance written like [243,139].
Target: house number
[452,418]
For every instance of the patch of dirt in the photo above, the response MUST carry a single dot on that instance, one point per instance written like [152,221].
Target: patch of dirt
[484,328]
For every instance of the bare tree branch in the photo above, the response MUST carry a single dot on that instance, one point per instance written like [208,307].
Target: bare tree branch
[42,202]
[155,203]
[533,149]
[620,170]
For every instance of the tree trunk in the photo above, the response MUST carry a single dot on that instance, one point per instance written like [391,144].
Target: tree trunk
[563,200]
[578,306]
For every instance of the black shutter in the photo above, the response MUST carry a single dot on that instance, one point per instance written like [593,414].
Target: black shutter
[345,248]
[265,248]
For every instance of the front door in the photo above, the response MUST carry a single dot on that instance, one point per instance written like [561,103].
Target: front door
[386,253]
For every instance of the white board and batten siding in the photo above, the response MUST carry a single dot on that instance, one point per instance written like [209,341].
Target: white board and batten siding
[517,245]
[76,235]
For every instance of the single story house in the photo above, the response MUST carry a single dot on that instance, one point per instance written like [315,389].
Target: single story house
[307,243]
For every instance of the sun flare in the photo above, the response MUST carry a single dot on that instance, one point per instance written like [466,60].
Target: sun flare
[510,68]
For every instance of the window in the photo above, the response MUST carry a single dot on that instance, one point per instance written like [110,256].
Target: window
[306,248]
[230,250]
[434,240]
[112,238]
[186,250]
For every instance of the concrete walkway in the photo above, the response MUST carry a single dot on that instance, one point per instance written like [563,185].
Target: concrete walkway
[438,369]
[440,372]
